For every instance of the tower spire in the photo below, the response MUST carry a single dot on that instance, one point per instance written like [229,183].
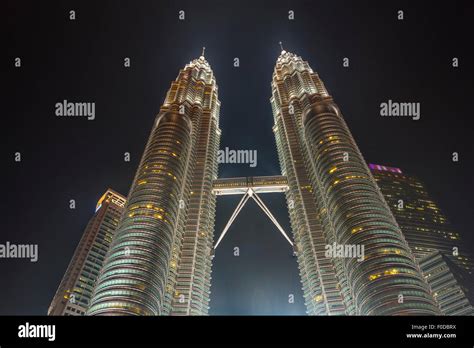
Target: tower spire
[282,49]
[203,51]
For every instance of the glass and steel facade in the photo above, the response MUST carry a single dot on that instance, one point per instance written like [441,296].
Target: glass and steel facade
[160,260]
[445,264]
[425,227]
[333,198]
[75,290]
[450,284]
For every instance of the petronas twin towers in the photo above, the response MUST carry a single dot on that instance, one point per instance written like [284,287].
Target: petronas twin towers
[159,262]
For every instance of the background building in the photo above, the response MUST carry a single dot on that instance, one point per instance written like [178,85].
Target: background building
[445,264]
[75,290]
[424,225]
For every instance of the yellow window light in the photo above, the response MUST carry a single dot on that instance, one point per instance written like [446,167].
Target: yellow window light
[374,276]
[392,271]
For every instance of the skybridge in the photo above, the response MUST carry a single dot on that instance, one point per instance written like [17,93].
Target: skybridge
[251,187]
[259,184]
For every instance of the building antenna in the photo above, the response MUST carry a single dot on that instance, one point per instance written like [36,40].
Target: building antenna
[281,46]
[203,50]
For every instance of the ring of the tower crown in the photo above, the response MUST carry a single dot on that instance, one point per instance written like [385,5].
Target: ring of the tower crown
[174,115]
[133,278]
[355,206]
[319,108]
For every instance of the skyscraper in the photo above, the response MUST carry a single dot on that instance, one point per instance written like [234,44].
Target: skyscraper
[450,284]
[438,248]
[333,198]
[75,290]
[424,225]
[160,260]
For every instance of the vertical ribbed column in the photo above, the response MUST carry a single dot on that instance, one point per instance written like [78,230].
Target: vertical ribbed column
[292,81]
[193,280]
[317,275]
[360,216]
[134,276]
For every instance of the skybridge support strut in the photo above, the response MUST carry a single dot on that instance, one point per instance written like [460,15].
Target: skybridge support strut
[267,211]
[261,204]
[236,212]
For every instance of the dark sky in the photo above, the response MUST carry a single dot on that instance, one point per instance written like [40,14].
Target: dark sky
[82,60]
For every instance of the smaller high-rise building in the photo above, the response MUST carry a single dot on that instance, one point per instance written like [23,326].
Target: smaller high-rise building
[75,290]
[445,265]
[424,225]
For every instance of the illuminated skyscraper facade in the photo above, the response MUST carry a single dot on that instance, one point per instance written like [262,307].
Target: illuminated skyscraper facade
[75,290]
[424,225]
[160,260]
[333,198]
[450,284]
[439,249]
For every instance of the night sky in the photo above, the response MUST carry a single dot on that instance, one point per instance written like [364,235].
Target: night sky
[82,60]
